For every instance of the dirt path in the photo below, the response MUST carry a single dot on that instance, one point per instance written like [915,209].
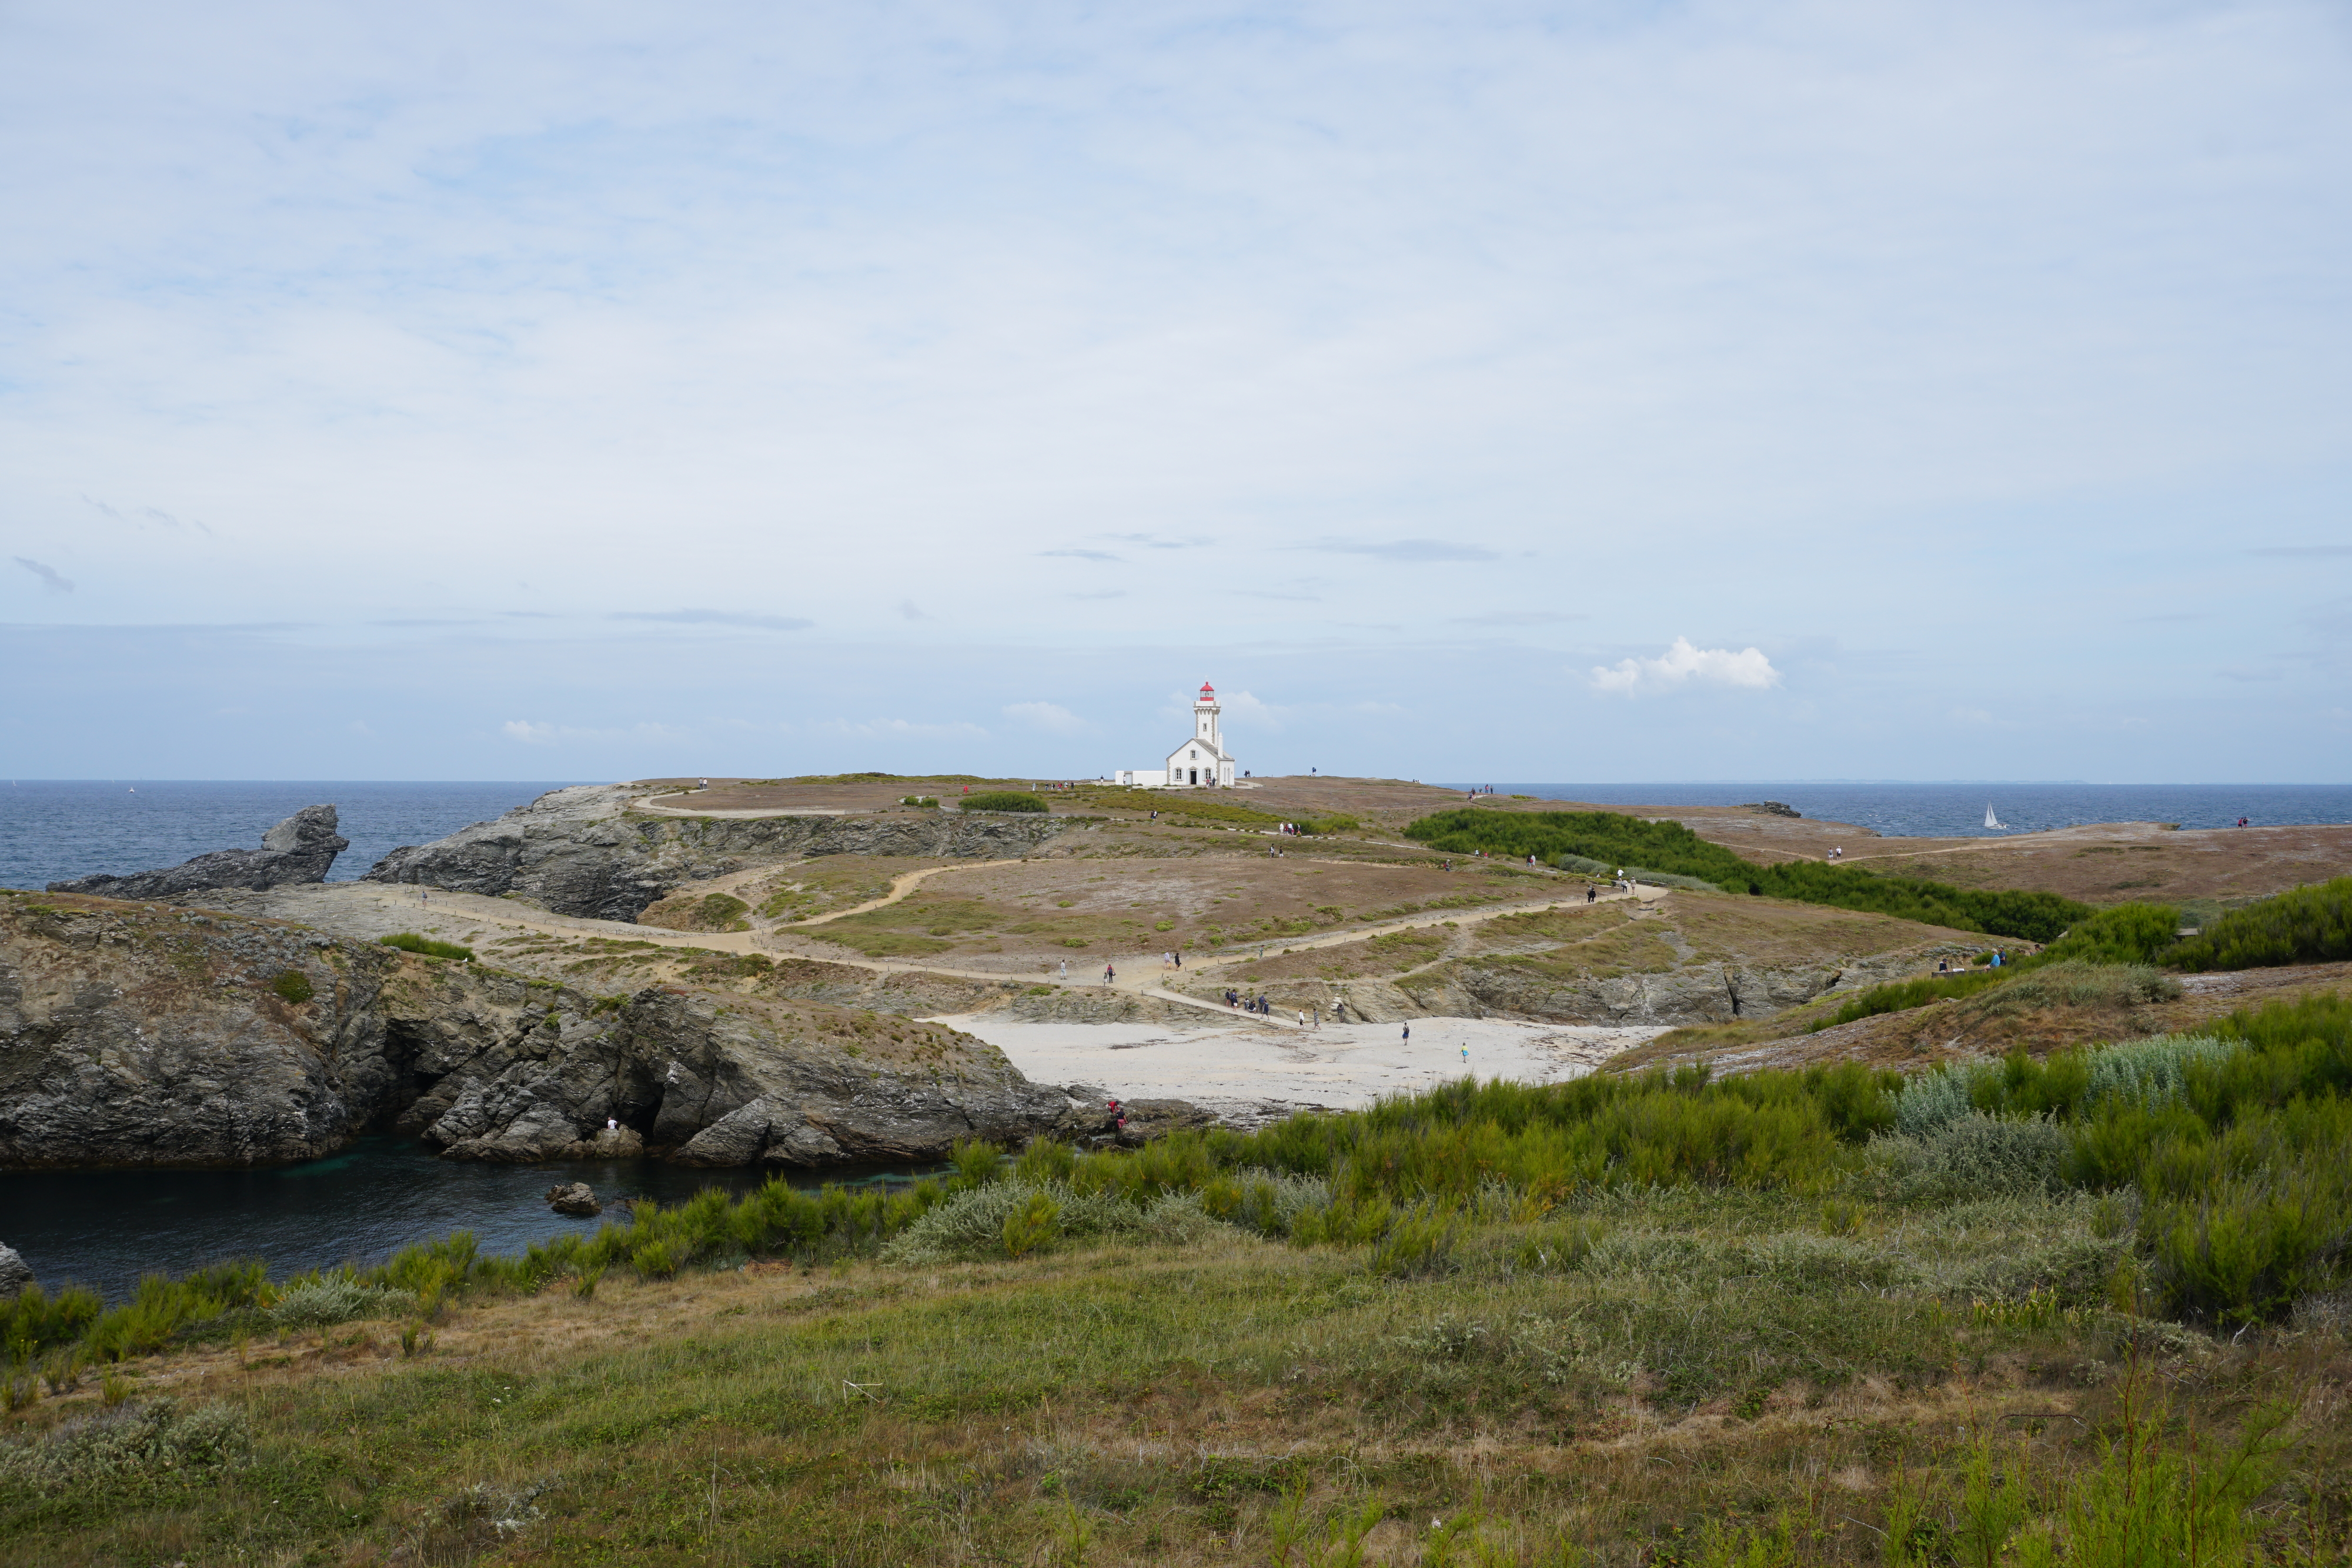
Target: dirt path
[481,910]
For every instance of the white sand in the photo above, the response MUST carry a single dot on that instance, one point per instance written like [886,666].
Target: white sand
[1248,1073]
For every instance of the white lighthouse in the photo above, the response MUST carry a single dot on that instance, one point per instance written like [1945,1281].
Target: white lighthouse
[1200,763]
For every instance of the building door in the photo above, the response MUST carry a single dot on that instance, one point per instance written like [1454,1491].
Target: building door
[1196,775]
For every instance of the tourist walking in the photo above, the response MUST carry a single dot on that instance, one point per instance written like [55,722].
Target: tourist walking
[1109,974]
[1408,1034]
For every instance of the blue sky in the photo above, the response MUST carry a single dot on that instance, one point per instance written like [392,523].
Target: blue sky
[1470,390]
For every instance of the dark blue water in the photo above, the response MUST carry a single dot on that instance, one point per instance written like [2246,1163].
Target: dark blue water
[105,1228]
[54,830]
[1956,811]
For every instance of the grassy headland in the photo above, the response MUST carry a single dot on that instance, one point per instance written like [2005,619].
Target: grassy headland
[2026,1310]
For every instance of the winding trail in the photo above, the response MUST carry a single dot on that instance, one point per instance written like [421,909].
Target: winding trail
[483,911]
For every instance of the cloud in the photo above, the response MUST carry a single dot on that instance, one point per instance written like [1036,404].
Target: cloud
[1082,554]
[1519,618]
[48,574]
[532,732]
[139,517]
[902,729]
[1100,593]
[2243,674]
[708,618]
[1153,541]
[906,611]
[1245,709]
[1412,551]
[2303,552]
[1683,663]
[1050,716]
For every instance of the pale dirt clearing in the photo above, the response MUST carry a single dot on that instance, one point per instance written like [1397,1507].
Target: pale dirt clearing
[1248,1072]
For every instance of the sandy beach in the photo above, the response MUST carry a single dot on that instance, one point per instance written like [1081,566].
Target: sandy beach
[1248,1074]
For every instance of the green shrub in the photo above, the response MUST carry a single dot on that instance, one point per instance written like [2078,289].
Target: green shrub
[410,942]
[2305,926]
[1975,1154]
[1901,995]
[2079,983]
[336,1299]
[1030,1226]
[2120,934]
[131,1440]
[1614,839]
[653,1260]
[1003,800]
[34,1320]
[294,986]
[927,802]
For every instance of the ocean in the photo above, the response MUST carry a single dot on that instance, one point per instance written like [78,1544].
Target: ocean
[1956,811]
[55,830]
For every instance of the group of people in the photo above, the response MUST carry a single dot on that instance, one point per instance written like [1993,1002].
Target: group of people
[1309,1017]
[1172,959]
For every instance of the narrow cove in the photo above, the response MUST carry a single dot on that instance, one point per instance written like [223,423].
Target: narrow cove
[106,1228]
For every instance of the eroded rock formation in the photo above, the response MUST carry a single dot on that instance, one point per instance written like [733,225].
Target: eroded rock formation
[580,852]
[301,849]
[144,1035]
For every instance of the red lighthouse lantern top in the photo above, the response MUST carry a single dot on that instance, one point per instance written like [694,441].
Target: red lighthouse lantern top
[1208,692]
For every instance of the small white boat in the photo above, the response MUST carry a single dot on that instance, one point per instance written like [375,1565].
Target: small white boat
[1991,820]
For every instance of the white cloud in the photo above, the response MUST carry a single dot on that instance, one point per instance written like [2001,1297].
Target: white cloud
[1049,717]
[903,729]
[1244,709]
[532,732]
[1683,663]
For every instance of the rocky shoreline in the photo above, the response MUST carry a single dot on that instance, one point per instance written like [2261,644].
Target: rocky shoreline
[146,1034]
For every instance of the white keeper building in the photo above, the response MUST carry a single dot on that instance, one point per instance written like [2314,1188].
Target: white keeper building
[1200,763]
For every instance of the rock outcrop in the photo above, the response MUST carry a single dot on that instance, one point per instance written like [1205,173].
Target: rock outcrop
[1703,992]
[134,1034]
[303,848]
[581,851]
[577,1198]
[141,1034]
[14,1272]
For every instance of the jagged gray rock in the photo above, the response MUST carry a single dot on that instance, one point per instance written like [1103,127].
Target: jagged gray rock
[581,851]
[303,848]
[14,1272]
[160,1035]
[573,1197]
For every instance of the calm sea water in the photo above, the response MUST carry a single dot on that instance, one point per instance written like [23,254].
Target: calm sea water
[105,1228]
[1956,811]
[55,830]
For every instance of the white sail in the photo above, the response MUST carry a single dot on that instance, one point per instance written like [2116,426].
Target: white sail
[1991,820]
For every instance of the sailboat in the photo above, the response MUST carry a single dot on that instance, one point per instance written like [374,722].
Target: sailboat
[1991,820]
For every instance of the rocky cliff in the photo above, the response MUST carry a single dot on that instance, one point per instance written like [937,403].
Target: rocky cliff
[135,1034]
[301,849]
[581,851]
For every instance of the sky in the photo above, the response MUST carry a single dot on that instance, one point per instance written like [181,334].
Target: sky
[1470,390]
